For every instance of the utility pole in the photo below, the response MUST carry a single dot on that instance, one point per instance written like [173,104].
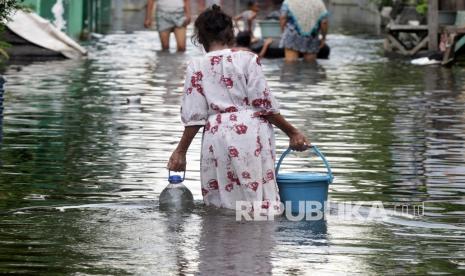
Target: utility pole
[433,25]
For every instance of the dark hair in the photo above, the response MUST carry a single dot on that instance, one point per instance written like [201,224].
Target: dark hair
[244,39]
[213,25]
[251,3]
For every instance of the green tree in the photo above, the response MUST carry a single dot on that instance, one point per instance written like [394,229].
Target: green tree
[422,7]
[7,7]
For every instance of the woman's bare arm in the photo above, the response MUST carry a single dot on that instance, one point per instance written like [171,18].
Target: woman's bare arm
[266,45]
[177,160]
[297,140]
[148,13]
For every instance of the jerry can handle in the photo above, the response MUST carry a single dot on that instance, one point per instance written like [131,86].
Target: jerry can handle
[317,151]
[183,176]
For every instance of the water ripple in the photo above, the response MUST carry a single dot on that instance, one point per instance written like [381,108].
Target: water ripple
[86,142]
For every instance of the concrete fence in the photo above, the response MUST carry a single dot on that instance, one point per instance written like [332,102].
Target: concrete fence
[355,15]
[80,16]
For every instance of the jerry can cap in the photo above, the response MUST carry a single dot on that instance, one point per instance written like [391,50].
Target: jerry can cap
[174,179]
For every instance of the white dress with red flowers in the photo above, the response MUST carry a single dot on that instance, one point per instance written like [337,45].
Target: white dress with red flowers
[226,92]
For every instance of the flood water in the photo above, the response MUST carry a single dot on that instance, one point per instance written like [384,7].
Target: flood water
[82,169]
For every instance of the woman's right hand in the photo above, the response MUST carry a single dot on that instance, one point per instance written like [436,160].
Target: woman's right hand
[298,141]
[147,22]
[177,162]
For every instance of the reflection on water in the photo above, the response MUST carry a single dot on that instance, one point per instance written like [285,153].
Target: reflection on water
[85,145]
[2,82]
[234,247]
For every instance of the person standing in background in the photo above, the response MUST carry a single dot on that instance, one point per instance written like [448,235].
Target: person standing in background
[171,16]
[302,21]
[244,41]
[249,17]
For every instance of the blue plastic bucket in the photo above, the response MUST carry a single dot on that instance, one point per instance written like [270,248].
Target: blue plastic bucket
[308,188]
[270,28]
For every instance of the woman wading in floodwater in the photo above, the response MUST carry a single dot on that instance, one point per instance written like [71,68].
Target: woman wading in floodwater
[302,22]
[226,93]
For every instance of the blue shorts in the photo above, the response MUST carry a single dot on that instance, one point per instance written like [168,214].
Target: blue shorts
[168,20]
[291,39]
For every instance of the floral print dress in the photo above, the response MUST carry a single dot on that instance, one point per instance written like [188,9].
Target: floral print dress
[226,92]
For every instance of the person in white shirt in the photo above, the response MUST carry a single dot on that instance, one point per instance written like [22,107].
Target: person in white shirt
[226,94]
[171,16]
[249,17]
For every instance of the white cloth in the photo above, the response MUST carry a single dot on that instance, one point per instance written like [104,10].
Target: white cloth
[226,92]
[170,5]
[305,14]
[41,32]
[424,61]
[246,16]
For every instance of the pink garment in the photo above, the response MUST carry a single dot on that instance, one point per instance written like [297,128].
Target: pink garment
[226,92]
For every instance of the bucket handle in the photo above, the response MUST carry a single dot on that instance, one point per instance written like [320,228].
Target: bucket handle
[317,151]
[183,176]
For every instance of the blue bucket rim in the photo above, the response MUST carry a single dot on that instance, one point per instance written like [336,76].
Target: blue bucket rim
[329,174]
[303,177]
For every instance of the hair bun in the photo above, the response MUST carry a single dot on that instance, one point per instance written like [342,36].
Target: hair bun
[216,8]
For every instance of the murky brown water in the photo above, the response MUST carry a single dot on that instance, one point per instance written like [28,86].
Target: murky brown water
[82,169]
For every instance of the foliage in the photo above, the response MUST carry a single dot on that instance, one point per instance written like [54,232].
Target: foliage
[422,7]
[385,2]
[3,45]
[6,8]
